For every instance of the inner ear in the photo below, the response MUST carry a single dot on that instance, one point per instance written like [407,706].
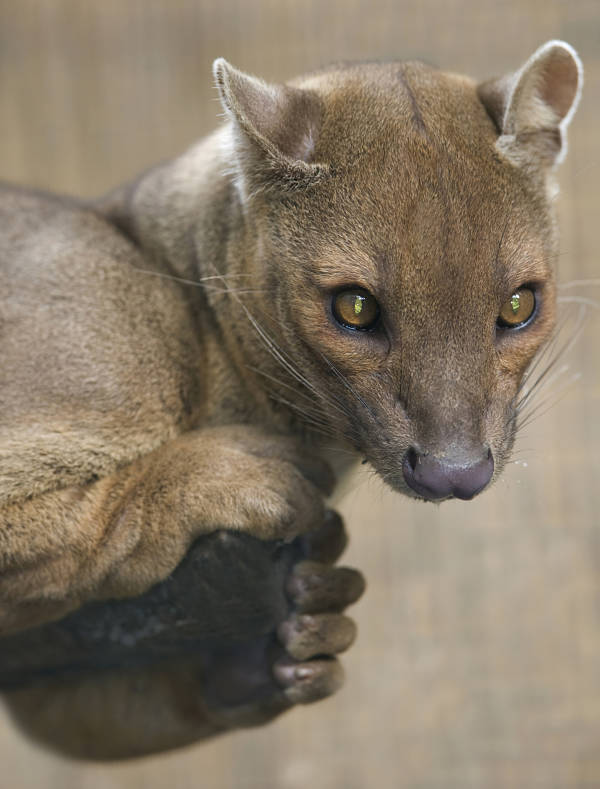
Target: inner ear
[532,107]
[559,82]
[277,125]
[545,90]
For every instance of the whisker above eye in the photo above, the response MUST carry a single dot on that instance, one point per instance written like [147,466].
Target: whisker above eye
[579,300]
[199,283]
[579,283]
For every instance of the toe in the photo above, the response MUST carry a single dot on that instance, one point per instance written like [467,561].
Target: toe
[315,587]
[303,683]
[305,636]
[327,543]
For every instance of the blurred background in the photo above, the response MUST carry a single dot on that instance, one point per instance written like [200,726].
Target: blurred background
[477,664]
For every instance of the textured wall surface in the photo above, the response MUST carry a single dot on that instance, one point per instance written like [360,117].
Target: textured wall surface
[478,659]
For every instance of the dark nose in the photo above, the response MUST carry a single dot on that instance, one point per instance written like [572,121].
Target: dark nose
[438,478]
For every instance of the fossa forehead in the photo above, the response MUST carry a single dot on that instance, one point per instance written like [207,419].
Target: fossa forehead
[415,168]
[398,105]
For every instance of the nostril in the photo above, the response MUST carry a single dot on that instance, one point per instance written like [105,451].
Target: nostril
[425,475]
[412,457]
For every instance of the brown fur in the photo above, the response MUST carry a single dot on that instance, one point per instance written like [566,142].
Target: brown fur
[139,411]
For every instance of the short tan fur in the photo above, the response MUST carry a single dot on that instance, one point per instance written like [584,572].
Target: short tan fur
[171,363]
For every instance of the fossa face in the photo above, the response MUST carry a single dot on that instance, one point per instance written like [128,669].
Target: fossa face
[404,250]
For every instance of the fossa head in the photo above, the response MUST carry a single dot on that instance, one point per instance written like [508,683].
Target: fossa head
[398,223]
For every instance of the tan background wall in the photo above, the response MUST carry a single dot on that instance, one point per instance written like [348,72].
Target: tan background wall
[478,660]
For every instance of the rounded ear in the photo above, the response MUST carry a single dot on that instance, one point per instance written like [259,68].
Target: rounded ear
[274,130]
[533,107]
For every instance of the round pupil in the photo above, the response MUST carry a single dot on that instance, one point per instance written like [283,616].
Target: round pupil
[356,309]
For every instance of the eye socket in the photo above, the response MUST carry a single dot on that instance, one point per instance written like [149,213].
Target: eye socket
[518,310]
[355,308]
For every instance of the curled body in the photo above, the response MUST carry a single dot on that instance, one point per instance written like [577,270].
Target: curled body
[357,261]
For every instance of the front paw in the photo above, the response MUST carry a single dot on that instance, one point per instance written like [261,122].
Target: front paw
[255,681]
[268,486]
[316,630]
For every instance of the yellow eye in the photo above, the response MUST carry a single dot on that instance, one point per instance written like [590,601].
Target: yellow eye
[355,308]
[517,310]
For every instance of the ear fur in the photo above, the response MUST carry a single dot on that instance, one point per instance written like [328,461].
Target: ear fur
[274,130]
[533,107]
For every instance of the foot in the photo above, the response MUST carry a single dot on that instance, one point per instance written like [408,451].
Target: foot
[252,682]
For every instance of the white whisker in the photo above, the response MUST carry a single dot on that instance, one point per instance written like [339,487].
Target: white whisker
[549,402]
[348,386]
[565,349]
[579,283]
[579,300]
